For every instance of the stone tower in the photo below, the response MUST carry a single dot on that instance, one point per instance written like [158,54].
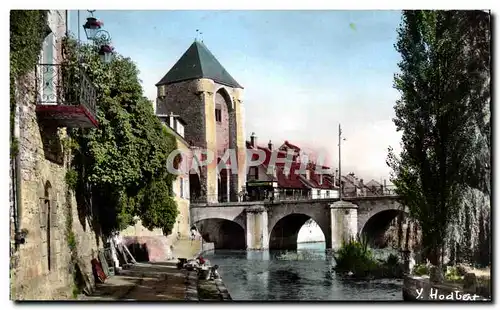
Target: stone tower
[205,95]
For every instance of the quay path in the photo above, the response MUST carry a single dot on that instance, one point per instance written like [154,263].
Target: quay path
[160,281]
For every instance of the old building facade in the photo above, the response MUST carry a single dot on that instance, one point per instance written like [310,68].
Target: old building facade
[266,181]
[43,208]
[201,92]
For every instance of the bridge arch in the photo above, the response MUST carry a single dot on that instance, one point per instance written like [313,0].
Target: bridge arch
[225,234]
[285,223]
[375,216]
[225,227]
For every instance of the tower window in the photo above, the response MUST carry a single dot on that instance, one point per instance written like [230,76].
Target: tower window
[218,115]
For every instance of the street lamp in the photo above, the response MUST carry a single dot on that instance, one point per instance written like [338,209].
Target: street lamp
[92,26]
[94,33]
[106,53]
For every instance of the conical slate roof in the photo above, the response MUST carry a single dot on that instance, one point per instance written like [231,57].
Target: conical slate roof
[196,63]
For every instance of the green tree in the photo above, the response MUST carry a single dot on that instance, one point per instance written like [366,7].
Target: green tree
[122,163]
[443,86]
[28,29]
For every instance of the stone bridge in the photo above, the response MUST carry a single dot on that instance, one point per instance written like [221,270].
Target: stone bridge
[275,225]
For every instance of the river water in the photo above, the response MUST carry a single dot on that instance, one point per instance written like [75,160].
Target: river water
[304,274]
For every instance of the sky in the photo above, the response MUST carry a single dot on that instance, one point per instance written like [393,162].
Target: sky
[303,72]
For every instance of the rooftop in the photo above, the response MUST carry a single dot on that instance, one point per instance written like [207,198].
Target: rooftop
[196,63]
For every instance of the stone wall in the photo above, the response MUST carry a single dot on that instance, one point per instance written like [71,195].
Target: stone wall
[42,266]
[181,189]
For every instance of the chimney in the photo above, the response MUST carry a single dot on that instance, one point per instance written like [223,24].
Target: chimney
[253,140]
[270,145]
[385,184]
[361,183]
[336,177]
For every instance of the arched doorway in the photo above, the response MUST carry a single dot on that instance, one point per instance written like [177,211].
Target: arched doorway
[194,186]
[225,120]
[223,182]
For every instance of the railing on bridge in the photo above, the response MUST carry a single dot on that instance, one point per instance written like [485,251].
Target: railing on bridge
[288,195]
[373,192]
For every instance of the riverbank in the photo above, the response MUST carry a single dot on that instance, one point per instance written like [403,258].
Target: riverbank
[155,281]
[205,290]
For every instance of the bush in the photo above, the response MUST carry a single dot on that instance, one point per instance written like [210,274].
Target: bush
[355,256]
[420,270]
[452,274]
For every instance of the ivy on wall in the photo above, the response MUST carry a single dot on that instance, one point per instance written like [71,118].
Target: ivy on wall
[28,29]
[123,161]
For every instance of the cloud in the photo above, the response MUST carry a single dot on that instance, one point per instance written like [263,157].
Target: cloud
[282,110]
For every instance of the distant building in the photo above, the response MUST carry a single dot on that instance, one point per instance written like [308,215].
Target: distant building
[267,181]
[354,186]
[42,202]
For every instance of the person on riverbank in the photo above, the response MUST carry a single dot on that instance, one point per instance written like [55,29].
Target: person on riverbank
[193,234]
[214,274]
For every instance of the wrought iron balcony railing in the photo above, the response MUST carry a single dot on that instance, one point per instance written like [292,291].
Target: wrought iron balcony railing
[61,84]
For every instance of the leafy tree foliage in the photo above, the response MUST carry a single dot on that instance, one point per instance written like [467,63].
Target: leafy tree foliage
[123,162]
[443,81]
[28,29]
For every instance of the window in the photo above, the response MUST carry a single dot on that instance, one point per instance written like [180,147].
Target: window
[327,193]
[182,187]
[180,129]
[218,115]
[319,193]
[161,91]
[254,172]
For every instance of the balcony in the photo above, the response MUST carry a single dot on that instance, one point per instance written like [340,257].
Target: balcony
[66,96]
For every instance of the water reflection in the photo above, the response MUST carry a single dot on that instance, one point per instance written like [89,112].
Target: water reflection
[304,274]
[258,255]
